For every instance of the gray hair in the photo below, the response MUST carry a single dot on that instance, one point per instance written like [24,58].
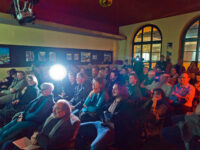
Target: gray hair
[47,86]
[65,106]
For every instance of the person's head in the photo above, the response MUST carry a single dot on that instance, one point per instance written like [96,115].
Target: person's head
[20,75]
[32,80]
[101,73]
[198,77]
[130,69]
[158,94]
[184,79]
[180,61]
[61,108]
[145,70]
[151,74]
[46,88]
[119,90]
[193,64]
[162,58]
[133,79]
[80,78]
[164,78]
[168,59]
[97,84]
[12,73]
[192,76]
[173,71]
[107,70]
[72,77]
[123,71]
[95,71]
[113,75]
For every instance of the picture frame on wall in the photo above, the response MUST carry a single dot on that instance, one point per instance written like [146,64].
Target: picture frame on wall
[107,58]
[52,56]
[30,56]
[42,56]
[85,57]
[94,57]
[4,55]
[76,57]
[69,56]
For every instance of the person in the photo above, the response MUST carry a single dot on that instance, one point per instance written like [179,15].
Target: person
[161,64]
[15,89]
[24,123]
[17,105]
[93,105]
[179,67]
[173,77]
[6,82]
[164,85]
[168,64]
[124,76]
[193,68]
[51,136]
[80,94]
[184,129]
[144,75]
[182,95]
[133,88]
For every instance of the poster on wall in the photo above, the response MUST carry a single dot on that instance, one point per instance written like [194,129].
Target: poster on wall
[4,55]
[52,56]
[94,57]
[85,57]
[42,56]
[29,56]
[76,57]
[107,58]
[69,56]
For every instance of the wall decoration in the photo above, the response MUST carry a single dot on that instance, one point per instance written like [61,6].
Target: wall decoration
[76,57]
[94,57]
[29,56]
[107,58]
[69,56]
[85,57]
[42,56]
[4,55]
[52,56]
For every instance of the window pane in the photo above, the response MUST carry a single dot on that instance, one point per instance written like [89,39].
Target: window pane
[156,35]
[147,34]
[156,47]
[146,48]
[137,54]
[146,56]
[155,56]
[137,48]
[190,46]
[189,56]
[138,37]
[199,57]
[193,30]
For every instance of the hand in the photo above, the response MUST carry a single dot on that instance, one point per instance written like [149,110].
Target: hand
[72,107]
[33,138]
[15,102]
[20,118]
[12,90]
[84,106]
[91,93]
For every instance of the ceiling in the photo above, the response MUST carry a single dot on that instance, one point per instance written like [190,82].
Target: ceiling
[90,15]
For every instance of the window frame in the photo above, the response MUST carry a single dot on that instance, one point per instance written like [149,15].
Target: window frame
[183,40]
[151,42]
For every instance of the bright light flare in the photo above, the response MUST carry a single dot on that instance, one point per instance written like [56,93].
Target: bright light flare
[57,72]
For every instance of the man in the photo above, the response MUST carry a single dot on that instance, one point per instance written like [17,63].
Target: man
[34,115]
[15,89]
[182,95]
[60,128]
[81,92]
[161,64]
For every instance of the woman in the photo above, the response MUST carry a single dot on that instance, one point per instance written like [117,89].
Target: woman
[173,77]
[6,82]
[92,106]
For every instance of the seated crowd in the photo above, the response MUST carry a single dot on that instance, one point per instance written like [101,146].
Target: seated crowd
[102,108]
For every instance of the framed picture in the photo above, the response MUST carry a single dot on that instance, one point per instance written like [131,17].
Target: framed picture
[52,56]
[29,56]
[69,56]
[4,55]
[85,57]
[42,56]
[76,57]
[107,58]
[94,57]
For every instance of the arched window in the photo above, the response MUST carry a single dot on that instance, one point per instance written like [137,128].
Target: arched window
[147,44]
[191,43]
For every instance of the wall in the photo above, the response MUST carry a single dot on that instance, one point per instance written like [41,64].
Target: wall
[171,28]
